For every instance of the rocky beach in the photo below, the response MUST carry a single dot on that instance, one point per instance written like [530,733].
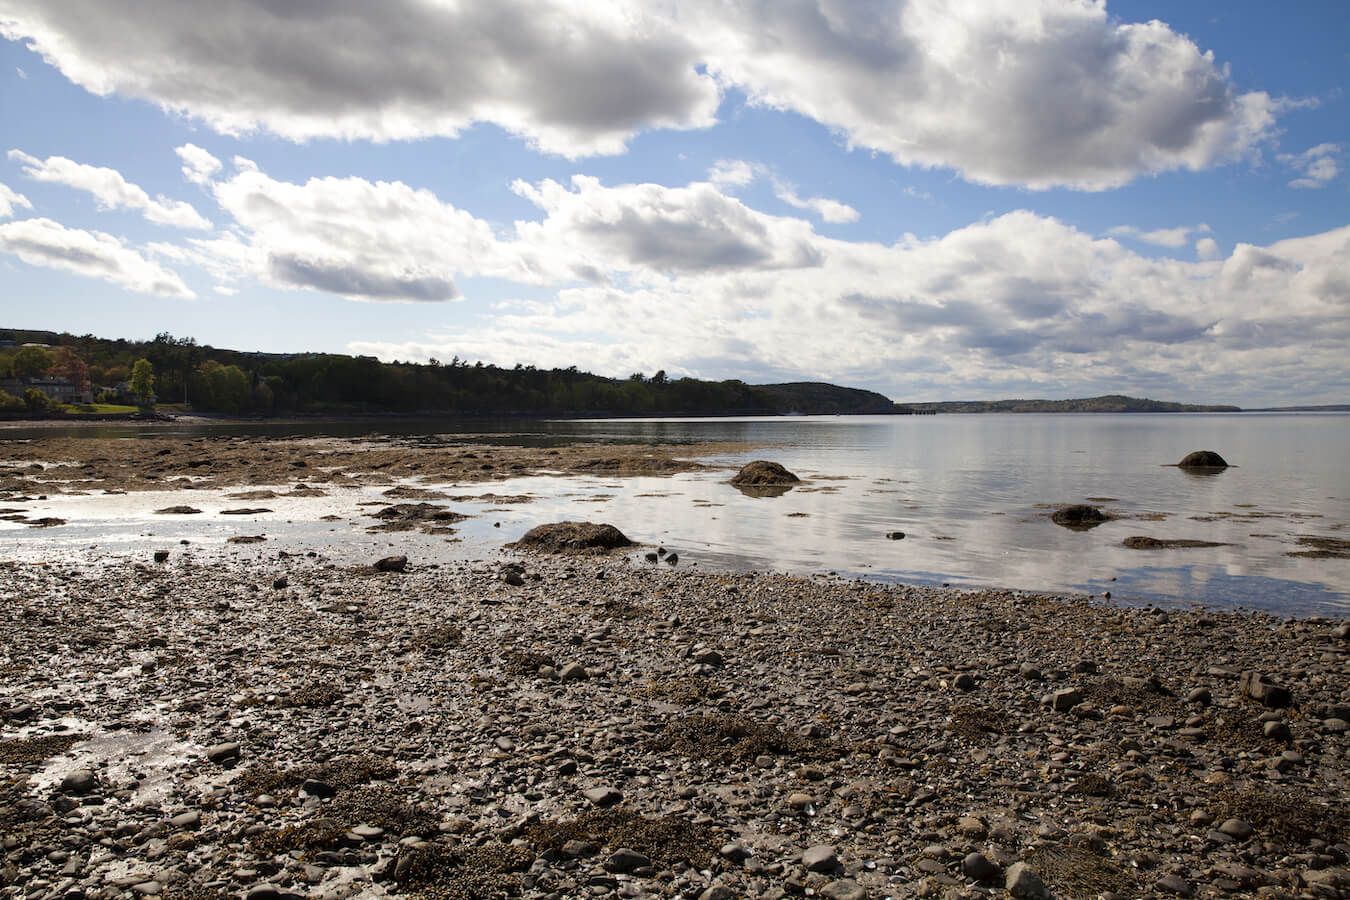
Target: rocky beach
[241,721]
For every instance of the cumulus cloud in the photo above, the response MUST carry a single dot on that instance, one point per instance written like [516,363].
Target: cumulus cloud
[10,199]
[684,230]
[1207,248]
[1053,92]
[1161,237]
[92,254]
[1316,165]
[198,165]
[573,78]
[348,236]
[110,189]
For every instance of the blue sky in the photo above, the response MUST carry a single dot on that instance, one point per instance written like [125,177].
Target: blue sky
[936,200]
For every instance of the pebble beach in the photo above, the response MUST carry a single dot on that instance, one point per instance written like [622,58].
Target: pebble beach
[256,723]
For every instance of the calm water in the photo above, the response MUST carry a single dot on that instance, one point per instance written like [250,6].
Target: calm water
[971,493]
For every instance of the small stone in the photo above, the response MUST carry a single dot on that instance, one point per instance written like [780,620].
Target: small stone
[1278,731]
[392,564]
[1023,882]
[1200,695]
[161,556]
[603,796]
[800,800]
[280,583]
[978,867]
[369,833]
[736,851]
[820,858]
[573,672]
[1265,691]
[1029,672]
[708,658]
[626,860]
[895,535]
[79,782]
[222,753]
[1236,829]
[844,889]
[513,578]
[188,821]
[1065,700]
[964,682]
[1175,884]
[315,788]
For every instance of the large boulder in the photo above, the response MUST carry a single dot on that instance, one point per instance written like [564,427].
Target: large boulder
[1079,517]
[763,472]
[1203,459]
[573,538]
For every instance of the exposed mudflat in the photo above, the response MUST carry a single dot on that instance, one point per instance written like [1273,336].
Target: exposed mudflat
[56,465]
[245,723]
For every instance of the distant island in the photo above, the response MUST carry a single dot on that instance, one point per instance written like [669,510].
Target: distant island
[1112,403]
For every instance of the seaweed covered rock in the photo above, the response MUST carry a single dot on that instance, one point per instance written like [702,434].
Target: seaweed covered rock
[572,537]
[1079,516]
[1203,459]
[763,472]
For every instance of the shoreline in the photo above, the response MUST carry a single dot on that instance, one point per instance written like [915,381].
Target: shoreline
[565,726]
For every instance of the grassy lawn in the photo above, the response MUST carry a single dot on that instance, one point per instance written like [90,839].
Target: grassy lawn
[99,409]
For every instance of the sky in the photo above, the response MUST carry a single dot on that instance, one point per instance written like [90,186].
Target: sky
[935,199]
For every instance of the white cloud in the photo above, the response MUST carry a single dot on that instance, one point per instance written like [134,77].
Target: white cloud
[347,236]
[1207,248]
[656,229]
[1053,92]
[21,73]
[92,254]
[1044,93]
[10,199]
[1317,166]
[733,173]
[1161,237]
[573,78]
[198,165]
[110,189]
[738,173]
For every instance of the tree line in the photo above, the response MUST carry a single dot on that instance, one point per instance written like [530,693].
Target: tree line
[224,381]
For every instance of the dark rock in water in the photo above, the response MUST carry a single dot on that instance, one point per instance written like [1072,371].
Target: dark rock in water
[764,472]
[177,511]
[673,558]
[1079,516]
[895,535]
[572,537]
[245,511]
[392,564]
[1203,459]
[763,478]
[246,539]
[652,557]
[1141,542]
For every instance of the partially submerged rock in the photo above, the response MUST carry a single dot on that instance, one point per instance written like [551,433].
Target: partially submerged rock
[764,472]
[1141,542]
[763,478]
[1079,516]
[1203,459]
[572,537]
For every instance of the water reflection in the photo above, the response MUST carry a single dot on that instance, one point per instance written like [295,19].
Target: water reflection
[973,495]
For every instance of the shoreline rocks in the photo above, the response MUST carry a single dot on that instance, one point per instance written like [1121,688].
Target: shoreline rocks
[734,735]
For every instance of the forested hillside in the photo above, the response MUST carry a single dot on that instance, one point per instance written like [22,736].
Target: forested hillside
[210,379]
